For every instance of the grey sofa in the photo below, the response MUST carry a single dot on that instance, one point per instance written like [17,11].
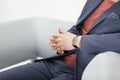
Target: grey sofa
[26,39]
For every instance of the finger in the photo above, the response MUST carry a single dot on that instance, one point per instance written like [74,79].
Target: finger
[58,40]
[62,31]
[60,50]
[56,35]
[59,47]
[58,44]
[54,48]
[50,42]
[52,38]
[53,44]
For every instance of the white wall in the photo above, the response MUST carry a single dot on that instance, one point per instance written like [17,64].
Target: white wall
[59,9]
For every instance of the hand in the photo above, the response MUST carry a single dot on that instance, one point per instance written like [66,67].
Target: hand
[64,40]
[53,44]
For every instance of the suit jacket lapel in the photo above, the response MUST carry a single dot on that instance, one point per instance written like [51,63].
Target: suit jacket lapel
[90,6]
[114,8]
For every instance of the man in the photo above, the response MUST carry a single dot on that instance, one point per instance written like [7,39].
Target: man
[97,30]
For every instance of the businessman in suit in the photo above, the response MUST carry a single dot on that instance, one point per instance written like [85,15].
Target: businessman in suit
[97,30]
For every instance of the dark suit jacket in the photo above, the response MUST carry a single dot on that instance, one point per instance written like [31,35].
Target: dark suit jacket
[104,35]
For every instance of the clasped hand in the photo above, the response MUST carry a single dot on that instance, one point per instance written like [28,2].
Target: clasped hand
[62,41]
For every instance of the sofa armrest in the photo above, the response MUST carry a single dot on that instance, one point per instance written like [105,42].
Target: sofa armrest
[105,66]
[17,42]
[25,39]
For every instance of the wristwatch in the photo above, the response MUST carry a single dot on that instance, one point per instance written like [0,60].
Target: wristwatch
[74,40]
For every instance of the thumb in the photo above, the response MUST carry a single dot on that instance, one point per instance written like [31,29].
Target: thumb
[61,31]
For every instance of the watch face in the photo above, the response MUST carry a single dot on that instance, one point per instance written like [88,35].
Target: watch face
[74,42]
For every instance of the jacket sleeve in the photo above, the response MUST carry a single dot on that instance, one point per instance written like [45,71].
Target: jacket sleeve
[94,44]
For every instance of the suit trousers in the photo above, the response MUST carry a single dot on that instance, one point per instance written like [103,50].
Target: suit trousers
[52,69]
